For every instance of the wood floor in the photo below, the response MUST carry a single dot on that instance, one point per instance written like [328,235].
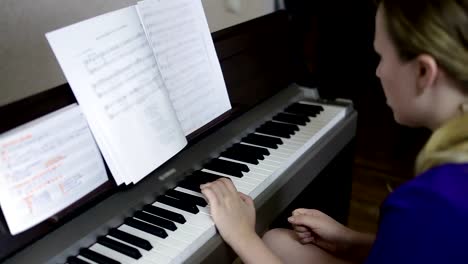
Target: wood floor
[384,158]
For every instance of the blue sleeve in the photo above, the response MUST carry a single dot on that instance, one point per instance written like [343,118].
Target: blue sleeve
[418,226]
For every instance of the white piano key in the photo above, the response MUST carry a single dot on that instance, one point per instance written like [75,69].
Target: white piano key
[110,253]
[198,220]
[261,166]
[153,255]
[87,260]
[245,182]
[170,250]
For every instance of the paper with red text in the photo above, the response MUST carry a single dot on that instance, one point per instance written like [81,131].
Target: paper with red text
[45,166]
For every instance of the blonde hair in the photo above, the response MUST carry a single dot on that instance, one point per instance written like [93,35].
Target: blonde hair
[435,27]
[438,28]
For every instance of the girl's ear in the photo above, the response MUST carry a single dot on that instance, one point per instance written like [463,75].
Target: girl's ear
[427,73]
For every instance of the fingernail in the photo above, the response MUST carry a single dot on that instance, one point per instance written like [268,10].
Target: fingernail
[202,186]
[291,219]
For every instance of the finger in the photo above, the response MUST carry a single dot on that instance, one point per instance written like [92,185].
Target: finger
[247,199]
[211,196]
[299,228]
[304,220]
[220,188]
[307,240]
[301,211]
[303,235]
[229,185]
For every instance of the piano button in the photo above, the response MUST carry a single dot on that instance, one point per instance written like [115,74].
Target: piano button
[75,260]
[205,177]
[119,247]
[157,221]
[283,127]
[153,255]
[188,207]
[261,151]
[112,254]
[199,220]
[235,155]
[182,236]
[259,166]
[245,183]
[86,259]
[194,186]
[286,126]
[96,257]
[311,106]
[304,109]
[260,171]
[155,241]
[185,196]
[131,239]
[154,230]
[190,230]
[291,118]
[226,166]
[244,152]
[273,132]
[264,141]
[178,218]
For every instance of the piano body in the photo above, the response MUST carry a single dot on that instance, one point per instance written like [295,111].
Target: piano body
[309,167]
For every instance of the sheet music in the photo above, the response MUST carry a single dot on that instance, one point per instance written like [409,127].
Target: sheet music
[183,47]
[47,165]
[114,76]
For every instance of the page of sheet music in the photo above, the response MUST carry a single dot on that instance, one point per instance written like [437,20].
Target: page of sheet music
[114,76]
[45,166]
[183,47]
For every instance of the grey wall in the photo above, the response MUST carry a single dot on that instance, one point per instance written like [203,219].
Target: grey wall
[27,65]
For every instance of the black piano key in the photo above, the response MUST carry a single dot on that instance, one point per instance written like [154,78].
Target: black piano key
[278,129]
[190,185]
[120,247]
[252,153]
[252,149]
[287,127]
[205,177]
[131,239]
[237,155]
[185,196]
[292,119]
[304,109]
[96,257]
[176,217]
[265,141]
[75,260]
[227,167]
[273,132]
[155,220]
[191,208]
[148,228]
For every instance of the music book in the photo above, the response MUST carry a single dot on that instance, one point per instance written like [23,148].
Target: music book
[145,77]
[47,165]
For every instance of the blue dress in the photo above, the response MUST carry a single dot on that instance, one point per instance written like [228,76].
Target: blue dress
[425,220]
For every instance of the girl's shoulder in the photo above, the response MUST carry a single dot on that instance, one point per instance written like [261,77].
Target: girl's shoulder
[444,186]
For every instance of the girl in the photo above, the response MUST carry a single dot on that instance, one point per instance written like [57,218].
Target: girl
[423,45]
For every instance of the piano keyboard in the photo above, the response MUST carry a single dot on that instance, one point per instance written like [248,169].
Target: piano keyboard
[178,223]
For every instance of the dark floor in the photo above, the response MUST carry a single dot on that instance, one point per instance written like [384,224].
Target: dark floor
[384,158]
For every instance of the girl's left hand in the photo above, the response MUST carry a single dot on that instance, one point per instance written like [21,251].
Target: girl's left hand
[233,212]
